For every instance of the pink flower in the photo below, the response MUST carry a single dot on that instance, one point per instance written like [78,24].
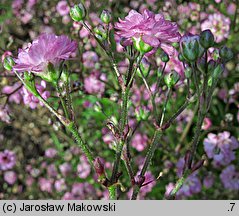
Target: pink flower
[45,184]
[93,83]
[139,141]
[153,28]
[230,178]
[60,185]
[62,8]
[220,147]
[10,177]
[47,48]
[83,169]
[14,97]
[89,59]
[65,168]
[50,153]
[68,196]
[31,100]
[7,160]
[5,114]
[207,123]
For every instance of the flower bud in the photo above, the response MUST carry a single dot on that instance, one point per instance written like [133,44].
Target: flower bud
[206,39]
[144,67]
[99,166]
[215,71]
[226,54]
[78,12]
[211,66]
[140,45]
[197,165]
[218,71]
[100,33]
[105,16]
[190,47]
[187,159]
[8,63]
[171,79]
[164,57]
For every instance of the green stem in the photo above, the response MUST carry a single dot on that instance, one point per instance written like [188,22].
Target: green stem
[164,107]
[178,185]
[123,121]
[112,192]
[63,103]
[120,143]
[149,156]
[84,147]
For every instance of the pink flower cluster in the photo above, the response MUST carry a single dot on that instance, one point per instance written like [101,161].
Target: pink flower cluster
[7,160]
[22,94]
[221,148]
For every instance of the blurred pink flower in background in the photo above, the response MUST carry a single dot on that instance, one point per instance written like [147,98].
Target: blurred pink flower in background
[93,83]
[83,168]
[45,184]
[10,177]
[15,97]
[220,147]
[139,141]
[219,25]
[50,153]
[63,8]
[230,178]
[90,58]
[65,168]
[47,48]
[153,28]
[31,100]
[7,160]
[5,114]
[60,185]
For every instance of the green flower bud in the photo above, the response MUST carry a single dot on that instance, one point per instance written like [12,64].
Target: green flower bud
[100,33]
[141,46]
[206,39]
[211,66]
[145,68]
[164,57]
[226,54]
[78,12]
[64,74]
[105,16]
[8,63]
[218,71]
[188,72]
[191,48]
[171,79]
